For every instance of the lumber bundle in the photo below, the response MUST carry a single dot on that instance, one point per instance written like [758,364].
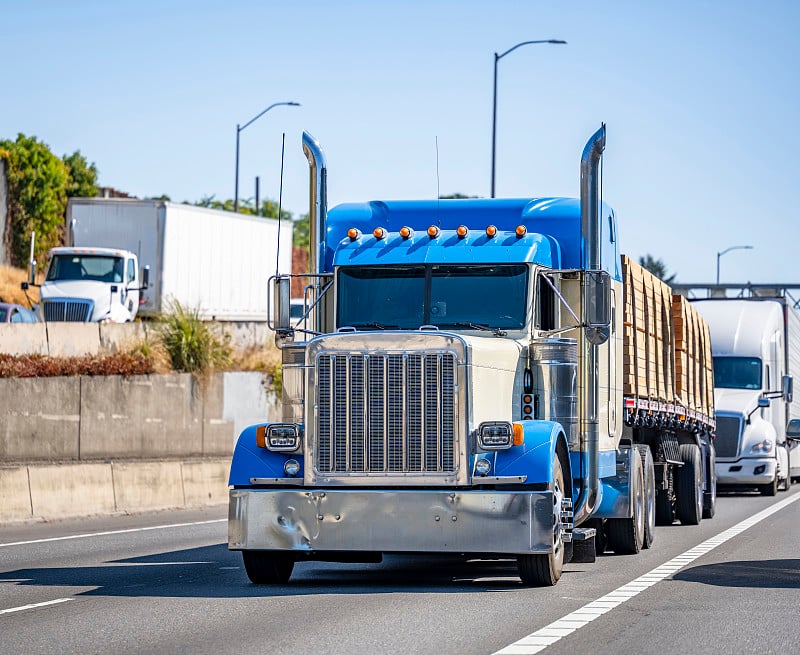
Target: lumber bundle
[667,349]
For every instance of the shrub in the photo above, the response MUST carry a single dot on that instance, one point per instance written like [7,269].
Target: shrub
[191,345]
[36,366]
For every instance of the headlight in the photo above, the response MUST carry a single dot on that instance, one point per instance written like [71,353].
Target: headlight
[495,435]
[764,447]
[282,437]
[482,467]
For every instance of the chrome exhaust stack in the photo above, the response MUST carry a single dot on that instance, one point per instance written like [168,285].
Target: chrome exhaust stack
[317,213]
[588,412]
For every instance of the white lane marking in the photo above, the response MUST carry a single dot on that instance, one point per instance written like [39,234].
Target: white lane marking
[109,532]
[35,605]
[550,634]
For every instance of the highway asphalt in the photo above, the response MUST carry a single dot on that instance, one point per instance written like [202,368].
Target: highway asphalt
[166,583]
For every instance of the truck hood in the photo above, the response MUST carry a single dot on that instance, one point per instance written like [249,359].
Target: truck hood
[739,401]
[99,293]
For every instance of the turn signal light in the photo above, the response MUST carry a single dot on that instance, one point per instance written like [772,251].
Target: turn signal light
[433,231]
[519,433]
[491,231]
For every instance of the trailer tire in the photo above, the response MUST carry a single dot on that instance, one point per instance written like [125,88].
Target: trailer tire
[649,494]
[626,536]
[266,567]
[689,491]
[710,496]
[538,570]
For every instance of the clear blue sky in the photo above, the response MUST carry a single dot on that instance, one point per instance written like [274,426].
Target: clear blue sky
[700,99]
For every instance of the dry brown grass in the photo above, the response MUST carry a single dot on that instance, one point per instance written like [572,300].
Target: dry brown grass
[10,291]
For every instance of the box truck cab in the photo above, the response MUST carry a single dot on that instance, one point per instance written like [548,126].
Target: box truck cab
[752,392]
[91,285]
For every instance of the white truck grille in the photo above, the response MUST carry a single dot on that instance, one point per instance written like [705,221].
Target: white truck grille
[386,413]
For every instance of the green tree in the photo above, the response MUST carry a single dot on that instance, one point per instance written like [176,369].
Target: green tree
[37,196]
[300,234]
[656,267]
[456,196]
[82,181]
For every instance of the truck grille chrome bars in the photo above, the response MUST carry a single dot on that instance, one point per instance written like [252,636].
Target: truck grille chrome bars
[386,413]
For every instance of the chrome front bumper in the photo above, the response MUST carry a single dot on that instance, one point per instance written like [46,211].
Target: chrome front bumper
[491,522]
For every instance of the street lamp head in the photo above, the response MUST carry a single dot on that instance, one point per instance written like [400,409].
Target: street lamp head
[294,104]
[557,41]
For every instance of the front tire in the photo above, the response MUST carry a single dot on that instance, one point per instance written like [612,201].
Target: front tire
[771,488]
[539,570]
[265,567]
[690,486]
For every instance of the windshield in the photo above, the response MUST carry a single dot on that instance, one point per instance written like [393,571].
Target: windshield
[85,267]
[737,372]
[3,314]
[446,295]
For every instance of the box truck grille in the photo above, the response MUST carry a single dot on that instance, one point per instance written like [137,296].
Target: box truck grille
[729,429]
[75,311]
[386,413]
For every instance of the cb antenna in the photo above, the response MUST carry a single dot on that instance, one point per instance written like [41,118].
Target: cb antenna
[280,200]
[438,192]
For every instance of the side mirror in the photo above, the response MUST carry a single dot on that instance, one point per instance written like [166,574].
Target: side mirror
[32,274]
[788,383]
[793,429]
[763,403]
[281,294]
[597,306]
[145,277]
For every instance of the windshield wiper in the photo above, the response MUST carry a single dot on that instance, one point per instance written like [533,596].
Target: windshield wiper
[377,326]
[477,326]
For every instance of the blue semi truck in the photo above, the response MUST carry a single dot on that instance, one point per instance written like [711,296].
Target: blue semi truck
[483,377]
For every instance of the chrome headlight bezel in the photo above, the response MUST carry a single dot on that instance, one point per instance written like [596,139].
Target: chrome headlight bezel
[495,435]
[282,437]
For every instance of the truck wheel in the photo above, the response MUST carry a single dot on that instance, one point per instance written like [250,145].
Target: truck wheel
[710,494]
[626,536]
[771,488]
[545,570]
[649,494]
[689,491]
[266,567]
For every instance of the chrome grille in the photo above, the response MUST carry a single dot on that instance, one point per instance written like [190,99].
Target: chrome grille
[75,311]
[386,413]
[729,429]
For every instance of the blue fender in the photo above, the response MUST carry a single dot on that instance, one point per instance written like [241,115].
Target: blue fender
[250,461]
[534,458]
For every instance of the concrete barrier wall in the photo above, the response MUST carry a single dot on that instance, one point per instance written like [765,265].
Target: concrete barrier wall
[70,490]
[65,339]
[140,417]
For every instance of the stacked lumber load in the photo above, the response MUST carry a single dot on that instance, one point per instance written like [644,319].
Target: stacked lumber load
[667,347]
[648,357]
[694,373]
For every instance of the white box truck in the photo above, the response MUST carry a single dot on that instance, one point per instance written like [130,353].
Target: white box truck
[215,261]
[755,342]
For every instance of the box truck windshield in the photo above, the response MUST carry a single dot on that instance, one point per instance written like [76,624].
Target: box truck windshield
[85,267]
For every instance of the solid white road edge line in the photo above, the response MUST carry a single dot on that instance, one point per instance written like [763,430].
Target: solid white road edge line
[110,532]
[550,634]
[35,605]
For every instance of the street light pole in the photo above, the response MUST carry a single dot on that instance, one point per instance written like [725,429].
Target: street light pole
[494,95]
[719,254]
[239,129]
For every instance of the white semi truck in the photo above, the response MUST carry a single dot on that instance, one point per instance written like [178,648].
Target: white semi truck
[755,341]
[214,261]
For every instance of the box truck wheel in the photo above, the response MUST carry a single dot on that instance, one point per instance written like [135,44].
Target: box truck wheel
[649,494]
[545,570]
[266,567]
[689,491]
[627,535]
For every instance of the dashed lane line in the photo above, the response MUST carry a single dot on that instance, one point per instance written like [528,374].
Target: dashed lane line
[35,605]
[111,532]
[550,634]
